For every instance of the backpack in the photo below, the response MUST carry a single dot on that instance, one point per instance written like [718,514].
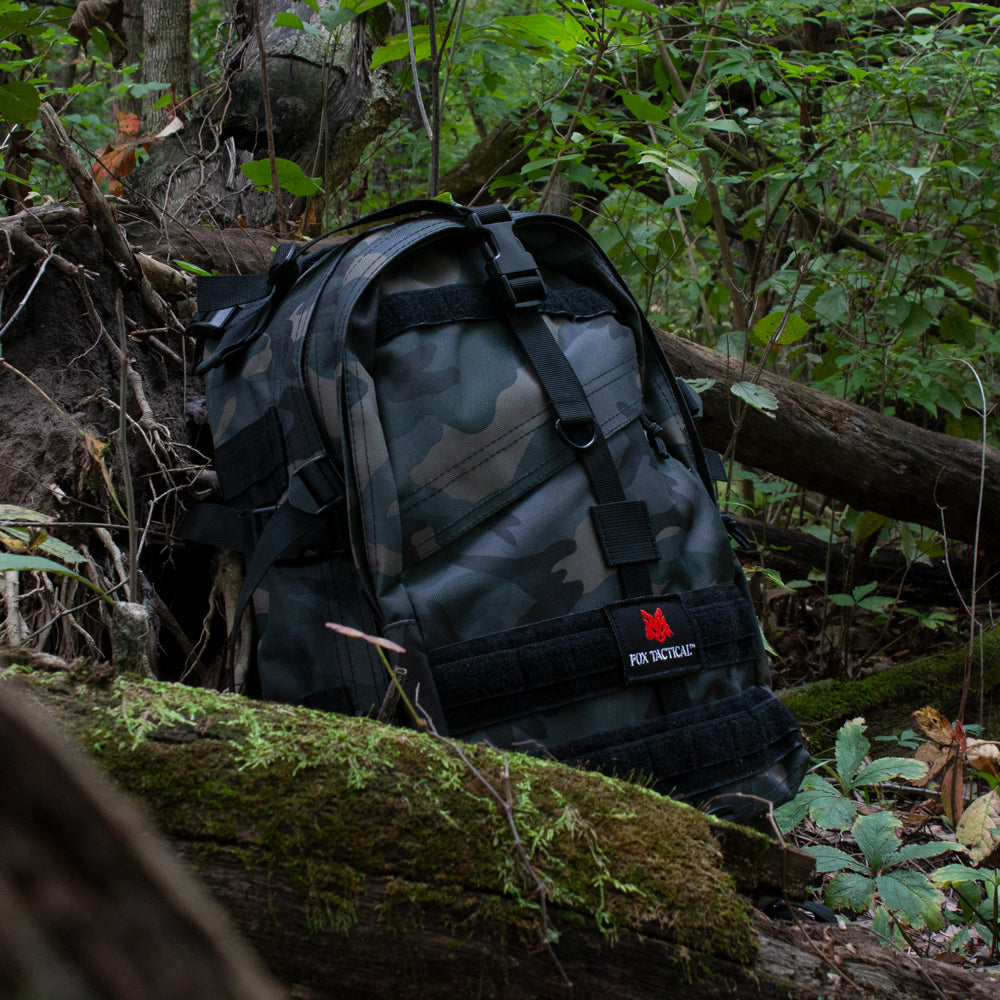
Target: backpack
[457,431]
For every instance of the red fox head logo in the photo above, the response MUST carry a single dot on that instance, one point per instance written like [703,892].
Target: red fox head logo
[656,626]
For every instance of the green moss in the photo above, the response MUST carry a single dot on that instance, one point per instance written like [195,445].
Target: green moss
[887,698]
[373,802]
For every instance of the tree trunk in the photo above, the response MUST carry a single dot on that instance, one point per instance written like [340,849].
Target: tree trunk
[166,30]
[392,863]
[842,450]
[322,106]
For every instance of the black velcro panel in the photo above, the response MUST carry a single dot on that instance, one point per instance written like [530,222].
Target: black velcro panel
[525,670]
[625,532]
[460,303]
[251,464]
[725,625]
[697,750]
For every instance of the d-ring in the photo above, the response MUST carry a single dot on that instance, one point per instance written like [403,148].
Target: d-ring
[585,424]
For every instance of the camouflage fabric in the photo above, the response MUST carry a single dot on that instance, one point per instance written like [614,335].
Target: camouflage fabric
[467,529]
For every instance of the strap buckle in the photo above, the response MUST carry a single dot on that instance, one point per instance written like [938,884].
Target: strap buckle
[506,259]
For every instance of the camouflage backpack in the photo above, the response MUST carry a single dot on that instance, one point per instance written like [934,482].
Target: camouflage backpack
[457,431]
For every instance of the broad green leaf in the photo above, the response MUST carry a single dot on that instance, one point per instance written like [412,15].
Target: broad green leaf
[291,177]
[643,109]
[832,305]
[868,524]
[819,800]
[285,19]
[756,396]
[21,540]
[19,102]
[956,874]
[37,564]
[851,748]
[914,852]
[832,859]
[912,898]
[876,837]
[779,328]
[888,769]
[850,891]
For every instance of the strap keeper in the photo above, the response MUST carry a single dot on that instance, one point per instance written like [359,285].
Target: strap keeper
[316,485]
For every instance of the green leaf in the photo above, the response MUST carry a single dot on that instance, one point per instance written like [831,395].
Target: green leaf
[956,874]
[851,748]
[850,891]
[37,564]
[288,20]
[19,102]
[779,328]
[867,524]
[912,898]
[291,177]
[825,805]
[876,837]
[754,395]
[643,109]
[832,859]
[888,769]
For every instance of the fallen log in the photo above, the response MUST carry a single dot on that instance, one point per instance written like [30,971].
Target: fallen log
[842,450]
[377,862]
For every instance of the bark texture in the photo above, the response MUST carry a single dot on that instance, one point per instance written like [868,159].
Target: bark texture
[377,860]
[842,450]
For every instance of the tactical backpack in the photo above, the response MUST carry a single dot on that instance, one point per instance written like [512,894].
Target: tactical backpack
[458,432]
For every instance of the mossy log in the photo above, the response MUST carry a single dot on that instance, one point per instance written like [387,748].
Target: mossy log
[888,698]
[367,861]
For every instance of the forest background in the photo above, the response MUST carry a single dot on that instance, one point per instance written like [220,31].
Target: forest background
[808,190]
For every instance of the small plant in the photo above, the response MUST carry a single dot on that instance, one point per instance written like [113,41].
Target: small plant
[830,803]
[978,892]
[909,898]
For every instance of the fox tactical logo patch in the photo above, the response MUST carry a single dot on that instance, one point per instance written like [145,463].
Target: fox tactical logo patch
[656,625]
[655,639]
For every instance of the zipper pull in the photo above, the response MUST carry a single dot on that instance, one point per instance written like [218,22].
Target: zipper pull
[735,532]
[654,435]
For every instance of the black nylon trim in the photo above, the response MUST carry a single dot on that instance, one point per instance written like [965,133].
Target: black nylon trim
[461,303]
[696,750]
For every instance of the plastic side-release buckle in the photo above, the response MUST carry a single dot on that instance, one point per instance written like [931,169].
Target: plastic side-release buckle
[506,259]
[316,485]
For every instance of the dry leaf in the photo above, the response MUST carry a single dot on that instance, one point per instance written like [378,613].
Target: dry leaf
[935,725]
[979,828]
[984,755]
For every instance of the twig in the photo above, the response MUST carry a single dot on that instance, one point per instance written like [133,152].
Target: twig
[123,380]
[506,803]
[100,213]
[23,301]
[279,206]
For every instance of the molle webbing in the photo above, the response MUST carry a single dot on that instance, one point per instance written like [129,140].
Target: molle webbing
[549,664]
[696,750]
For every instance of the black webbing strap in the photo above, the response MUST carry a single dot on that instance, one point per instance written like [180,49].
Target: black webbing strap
[579,428]
[223,291]
[697,750]
[462,303]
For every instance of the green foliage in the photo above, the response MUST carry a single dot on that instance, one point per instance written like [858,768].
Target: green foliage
[830,803]
[291,177]
[978,891]
[909,896]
